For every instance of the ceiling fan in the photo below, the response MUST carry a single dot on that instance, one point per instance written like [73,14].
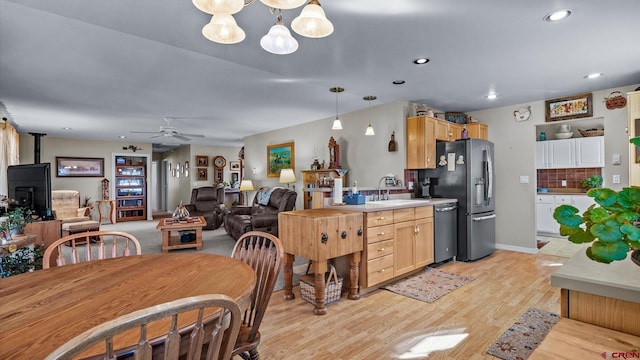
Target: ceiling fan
[169,131]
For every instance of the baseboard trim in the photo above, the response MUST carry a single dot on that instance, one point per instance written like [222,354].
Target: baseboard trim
[517,249]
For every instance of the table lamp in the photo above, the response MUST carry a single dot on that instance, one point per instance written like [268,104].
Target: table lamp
[287,176]
[246,185]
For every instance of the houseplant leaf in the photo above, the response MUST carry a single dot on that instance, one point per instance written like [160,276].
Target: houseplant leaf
[609,231]
[581,237]
[566,215]
[603,196]
[606,252]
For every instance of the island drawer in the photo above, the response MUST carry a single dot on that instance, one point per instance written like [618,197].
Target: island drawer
[378,218]
[379,249]
[379,233]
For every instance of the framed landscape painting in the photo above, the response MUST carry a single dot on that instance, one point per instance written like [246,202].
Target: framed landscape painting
[280,156]
[79,167]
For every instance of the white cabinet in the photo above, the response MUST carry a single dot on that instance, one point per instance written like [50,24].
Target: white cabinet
[546,205]
[570,153]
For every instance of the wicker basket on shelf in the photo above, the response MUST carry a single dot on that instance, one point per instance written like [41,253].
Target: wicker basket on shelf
[589,133]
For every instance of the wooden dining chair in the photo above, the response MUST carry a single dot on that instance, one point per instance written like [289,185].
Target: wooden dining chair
[91,245]
[264,253]
[219,332]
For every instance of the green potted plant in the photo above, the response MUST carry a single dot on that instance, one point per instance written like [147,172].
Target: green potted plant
[15,221]
[591,182]
[612,224]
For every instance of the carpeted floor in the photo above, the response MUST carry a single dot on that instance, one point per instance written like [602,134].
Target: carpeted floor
[213,242]
[429,285]
[519,341]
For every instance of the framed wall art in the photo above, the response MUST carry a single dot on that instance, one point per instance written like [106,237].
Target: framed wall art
[202,174]
[234,165]
[280,156]
[572,107]
[79,167]
[202,160]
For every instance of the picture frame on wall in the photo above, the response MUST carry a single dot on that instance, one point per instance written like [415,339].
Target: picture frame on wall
[79,167]
[202,174]
[280,156]
[234,165]
[202,160]
[571,107]
[235,177]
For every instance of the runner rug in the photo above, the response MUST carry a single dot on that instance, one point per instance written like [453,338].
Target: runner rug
[429,285]
[519,341]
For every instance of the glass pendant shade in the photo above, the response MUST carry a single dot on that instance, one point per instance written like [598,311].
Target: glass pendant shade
[312,22]
[337,124]
[279,40]
[215,7]
[369,131]
[223,29]
[283,4]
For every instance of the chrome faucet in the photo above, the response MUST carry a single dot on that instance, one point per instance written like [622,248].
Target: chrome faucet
[395,181]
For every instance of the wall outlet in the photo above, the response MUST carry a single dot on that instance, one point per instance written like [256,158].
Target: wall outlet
[616,179]
[564,182]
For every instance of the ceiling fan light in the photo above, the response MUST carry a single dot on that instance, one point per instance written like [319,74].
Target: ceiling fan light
[337,124]
[223,29]
[283,4]
[312,22]
[214,7]
[279,40]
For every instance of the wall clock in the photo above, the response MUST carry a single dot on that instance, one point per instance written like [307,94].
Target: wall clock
[218,168]
[219,161]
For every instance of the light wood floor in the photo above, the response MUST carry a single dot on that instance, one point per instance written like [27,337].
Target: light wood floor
[382,323]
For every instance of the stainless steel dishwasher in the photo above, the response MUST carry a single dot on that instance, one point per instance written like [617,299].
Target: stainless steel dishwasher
[445,231]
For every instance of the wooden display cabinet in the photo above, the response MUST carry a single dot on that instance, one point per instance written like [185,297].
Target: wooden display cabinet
[319,178]
[131,193]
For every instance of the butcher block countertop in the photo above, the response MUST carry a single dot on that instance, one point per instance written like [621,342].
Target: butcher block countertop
[372,206]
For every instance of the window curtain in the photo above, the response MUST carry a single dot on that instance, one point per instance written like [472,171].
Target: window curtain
[9,148]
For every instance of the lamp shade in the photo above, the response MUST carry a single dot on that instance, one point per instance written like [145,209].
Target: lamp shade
[312,22]
[223,29]
[215,7]
[287,176]
[337,124]
[279,40]
[283,4]
[246,185]
[369,131]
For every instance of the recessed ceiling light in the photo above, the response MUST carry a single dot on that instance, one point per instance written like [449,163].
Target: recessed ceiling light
[593,76]
[122,137]
[398,82]
[557,15]
[491,96]
[66,128]
[420,61]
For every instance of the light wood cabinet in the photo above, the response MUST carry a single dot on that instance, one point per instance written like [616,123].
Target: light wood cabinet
[379,257]
[478,131]
[316,179]
[422,132]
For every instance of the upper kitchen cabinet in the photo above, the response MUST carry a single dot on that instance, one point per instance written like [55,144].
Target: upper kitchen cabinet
[478,131]
[586,152]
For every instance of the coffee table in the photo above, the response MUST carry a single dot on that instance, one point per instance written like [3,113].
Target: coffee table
[173,242]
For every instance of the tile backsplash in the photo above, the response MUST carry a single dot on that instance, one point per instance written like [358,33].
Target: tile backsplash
[552,178]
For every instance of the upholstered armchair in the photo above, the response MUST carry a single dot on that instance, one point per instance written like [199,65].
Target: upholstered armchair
[66,207]
[208,202]
[262,215]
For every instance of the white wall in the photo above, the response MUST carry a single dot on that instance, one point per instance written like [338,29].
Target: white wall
[515,156]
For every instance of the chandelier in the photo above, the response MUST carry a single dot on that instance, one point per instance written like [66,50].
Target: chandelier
[223,29]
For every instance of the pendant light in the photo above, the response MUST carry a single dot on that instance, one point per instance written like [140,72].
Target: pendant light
[279,40]
[337,124]
[312,22]
[214,7]
[369,131]
[223,29]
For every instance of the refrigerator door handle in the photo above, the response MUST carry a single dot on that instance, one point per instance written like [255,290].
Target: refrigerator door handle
[489,176]
[482,218]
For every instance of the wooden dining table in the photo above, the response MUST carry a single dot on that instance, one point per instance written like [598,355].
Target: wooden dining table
[42,310]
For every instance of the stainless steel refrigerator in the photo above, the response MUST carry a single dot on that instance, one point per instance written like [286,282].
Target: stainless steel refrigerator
[464,171]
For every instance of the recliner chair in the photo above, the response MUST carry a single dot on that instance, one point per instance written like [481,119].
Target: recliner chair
[208,202]
[260,216]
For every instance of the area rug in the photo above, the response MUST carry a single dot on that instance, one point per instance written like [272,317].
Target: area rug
[519,341]
[429,285]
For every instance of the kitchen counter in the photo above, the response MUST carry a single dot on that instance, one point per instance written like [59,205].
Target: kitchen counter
[392,204]
[606,295]
[618,280]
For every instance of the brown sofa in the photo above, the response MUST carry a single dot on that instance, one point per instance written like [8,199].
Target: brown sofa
[259,217]
[208,202]
[75,219]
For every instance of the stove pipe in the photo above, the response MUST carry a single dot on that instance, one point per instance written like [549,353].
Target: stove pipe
[36,146]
